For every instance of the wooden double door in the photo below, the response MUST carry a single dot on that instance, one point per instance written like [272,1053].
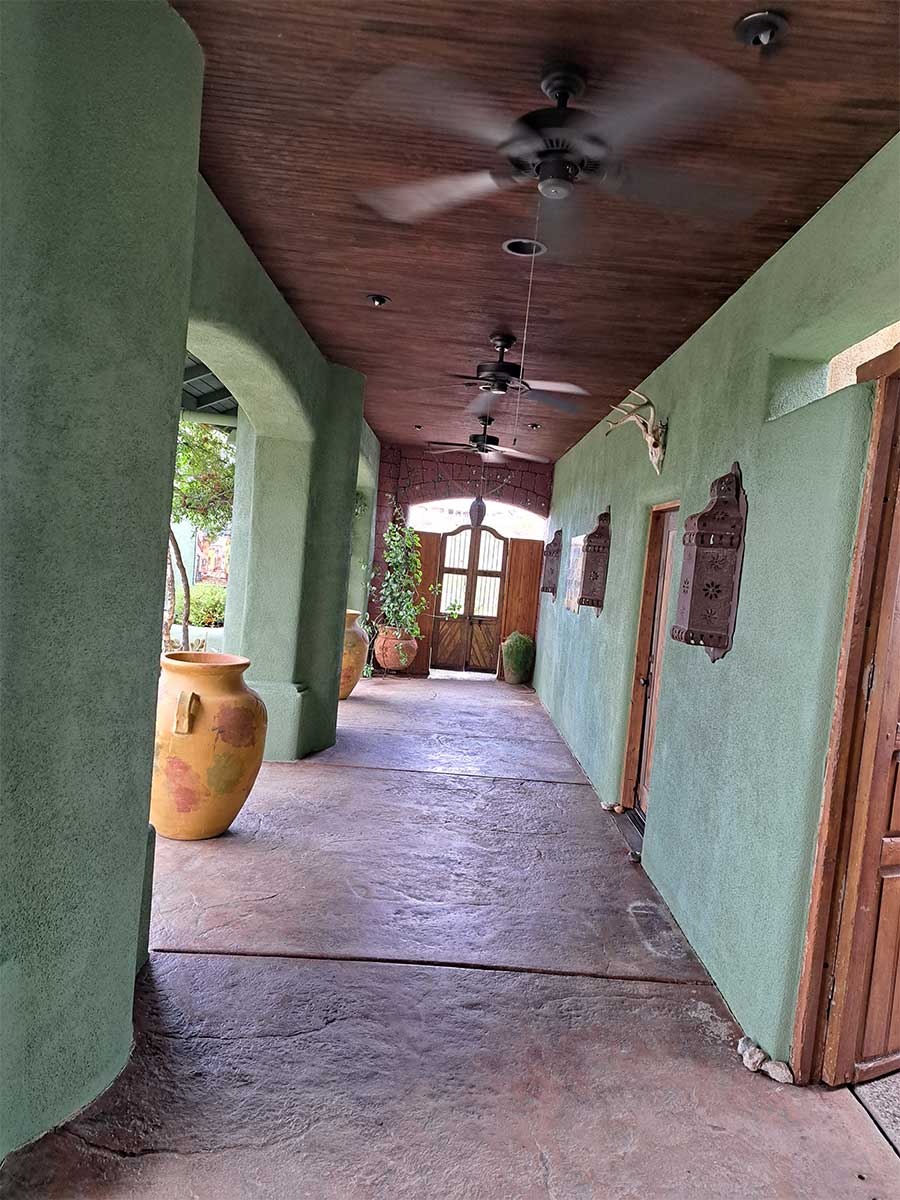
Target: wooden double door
[471,580]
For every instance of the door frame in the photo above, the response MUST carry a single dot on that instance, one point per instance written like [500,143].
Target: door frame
[829,1009]
[634,727]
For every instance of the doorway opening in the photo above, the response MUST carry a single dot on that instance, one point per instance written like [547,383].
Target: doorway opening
[648,661]
[481,582]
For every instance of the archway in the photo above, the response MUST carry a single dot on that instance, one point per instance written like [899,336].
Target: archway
[481,574]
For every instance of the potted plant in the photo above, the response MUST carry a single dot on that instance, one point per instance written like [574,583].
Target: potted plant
[518,657]
[397,624]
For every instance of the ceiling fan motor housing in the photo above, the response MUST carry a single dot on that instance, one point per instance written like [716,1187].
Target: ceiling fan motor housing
[484,442]
[565,150]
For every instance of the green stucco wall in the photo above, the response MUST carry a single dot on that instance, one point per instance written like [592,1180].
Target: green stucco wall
[298,443]
[740,747]
[362,538]
[100,126]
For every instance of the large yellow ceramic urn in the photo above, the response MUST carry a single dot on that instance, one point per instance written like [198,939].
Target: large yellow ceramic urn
[356,647]
[210,736]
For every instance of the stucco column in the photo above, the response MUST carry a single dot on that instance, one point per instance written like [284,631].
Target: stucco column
[290,561]
[100,124]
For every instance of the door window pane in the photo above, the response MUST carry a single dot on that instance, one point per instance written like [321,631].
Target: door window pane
[490,552]
[453,591]
[487,596]
[456,550]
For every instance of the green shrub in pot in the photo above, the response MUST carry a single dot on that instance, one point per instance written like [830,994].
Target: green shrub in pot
[518,657]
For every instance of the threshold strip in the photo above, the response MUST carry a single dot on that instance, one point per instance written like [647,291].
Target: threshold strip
[463,736]
[346,766]
[418,962]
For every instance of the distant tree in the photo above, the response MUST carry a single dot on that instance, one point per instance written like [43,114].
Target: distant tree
[203,495]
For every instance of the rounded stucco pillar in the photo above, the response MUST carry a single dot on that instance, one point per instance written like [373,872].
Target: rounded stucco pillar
[100,103]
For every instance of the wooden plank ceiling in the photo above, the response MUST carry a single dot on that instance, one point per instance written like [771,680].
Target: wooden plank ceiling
[287,146]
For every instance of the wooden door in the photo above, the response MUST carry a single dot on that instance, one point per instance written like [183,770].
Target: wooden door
[651,642]
[521,589]
[429,554]
[467,617]
[862,1039]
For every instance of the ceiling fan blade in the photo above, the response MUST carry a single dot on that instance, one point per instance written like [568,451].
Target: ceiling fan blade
[471,378]
[410,202]
[669,188]
[547,385]
[510,453]
[455,445]
[494,457]
[557,402]
[661,91]
[442,100]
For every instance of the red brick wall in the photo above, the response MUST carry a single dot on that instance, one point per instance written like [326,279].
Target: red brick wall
[411,475]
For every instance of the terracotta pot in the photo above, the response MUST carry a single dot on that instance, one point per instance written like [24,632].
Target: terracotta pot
[393,649]
[356,647]
[210,736]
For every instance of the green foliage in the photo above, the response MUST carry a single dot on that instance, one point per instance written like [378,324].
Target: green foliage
[518,655]
[204,478]
[402,576]
[207,604]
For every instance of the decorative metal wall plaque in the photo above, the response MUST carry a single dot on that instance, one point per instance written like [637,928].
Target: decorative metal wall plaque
[596,564]
[711,568]
[552,555]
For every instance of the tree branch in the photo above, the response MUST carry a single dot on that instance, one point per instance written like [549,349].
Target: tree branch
[186,589]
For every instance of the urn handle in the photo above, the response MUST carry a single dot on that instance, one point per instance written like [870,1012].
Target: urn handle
[185,710]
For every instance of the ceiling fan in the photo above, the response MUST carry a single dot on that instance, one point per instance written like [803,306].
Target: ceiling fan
[485,445]
[561,147]
[495,379]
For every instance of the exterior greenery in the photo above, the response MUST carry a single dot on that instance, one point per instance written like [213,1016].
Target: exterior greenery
[203,495]
[207,605]
[518,657]
[204,478]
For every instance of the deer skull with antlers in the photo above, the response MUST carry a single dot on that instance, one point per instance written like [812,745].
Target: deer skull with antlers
[653,431]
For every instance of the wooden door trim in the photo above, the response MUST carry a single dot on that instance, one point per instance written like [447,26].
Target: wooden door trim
[818,969]
[859,915]
[644,637]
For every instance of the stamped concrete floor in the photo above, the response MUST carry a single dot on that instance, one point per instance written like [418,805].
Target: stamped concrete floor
[420,966]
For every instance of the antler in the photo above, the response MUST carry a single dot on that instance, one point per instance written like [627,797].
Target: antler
[630,410]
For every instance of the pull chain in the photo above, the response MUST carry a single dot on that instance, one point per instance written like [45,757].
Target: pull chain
[537,225]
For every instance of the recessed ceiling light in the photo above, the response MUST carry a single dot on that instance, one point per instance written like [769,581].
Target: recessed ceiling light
[534,425]
[761,29]
[524,247]
[377,300]
[417,426]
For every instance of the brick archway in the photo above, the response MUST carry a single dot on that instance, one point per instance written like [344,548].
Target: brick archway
[410,475]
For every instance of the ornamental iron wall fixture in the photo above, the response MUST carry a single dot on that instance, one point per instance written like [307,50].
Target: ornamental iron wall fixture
[552,556]
[596,564]
[711,568]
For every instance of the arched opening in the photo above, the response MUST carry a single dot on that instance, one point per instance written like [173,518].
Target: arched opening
[481,572]
[509,520]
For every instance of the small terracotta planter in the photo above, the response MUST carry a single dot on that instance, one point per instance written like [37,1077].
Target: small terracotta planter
[356,646]
[210,737]
[394,649]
